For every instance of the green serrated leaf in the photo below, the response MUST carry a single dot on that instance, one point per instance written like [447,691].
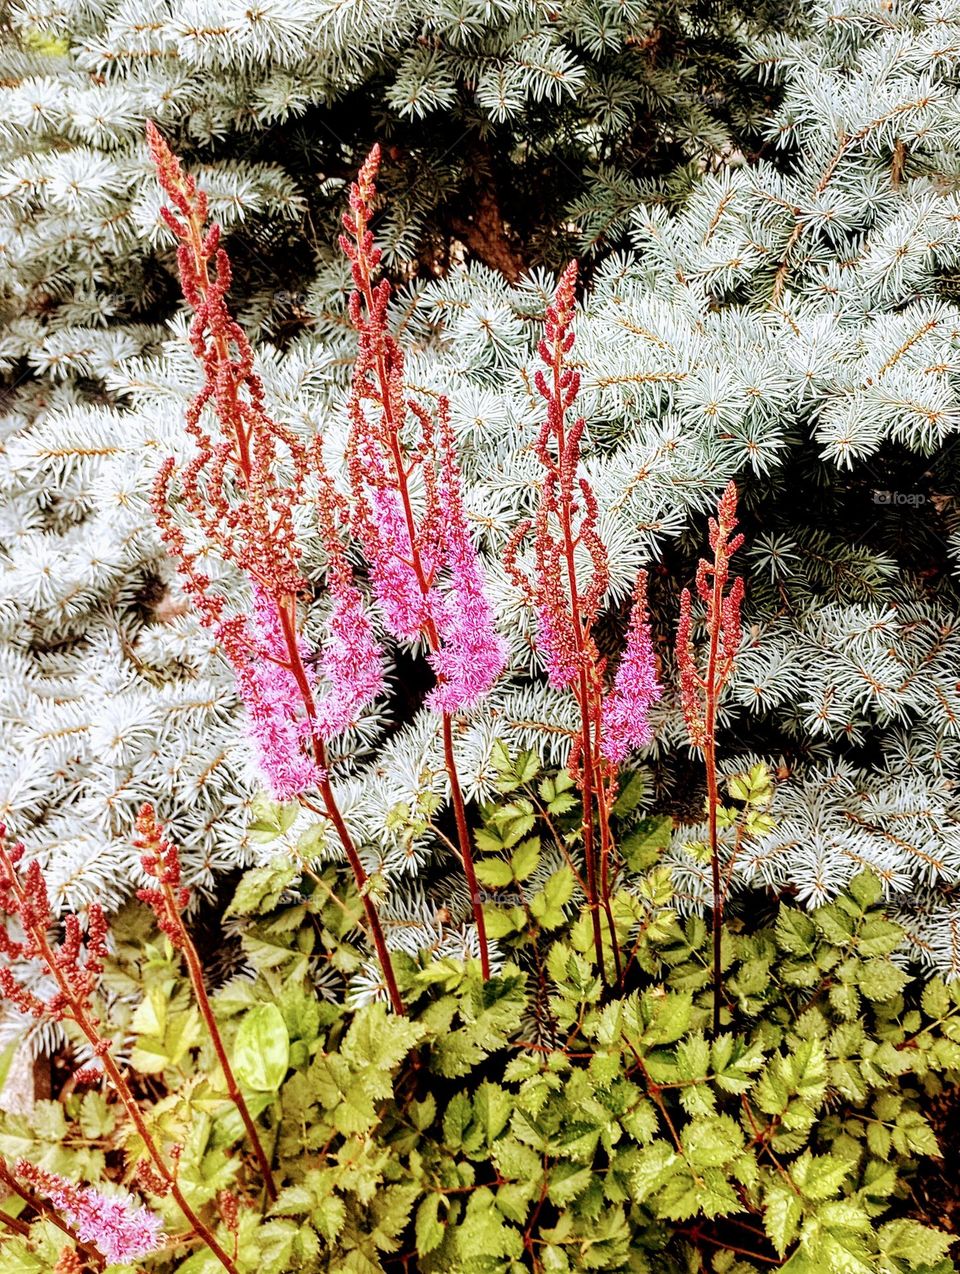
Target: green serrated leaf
[261,888]
[880,980]
[261,1049]
[428,1228]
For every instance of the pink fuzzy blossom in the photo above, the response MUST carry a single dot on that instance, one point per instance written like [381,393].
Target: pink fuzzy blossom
[470,655]
[624,722]
[123,1231]
[352,662]
[276,720]
[394,580]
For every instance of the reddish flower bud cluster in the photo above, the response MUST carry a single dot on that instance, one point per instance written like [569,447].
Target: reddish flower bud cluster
[230,1210]
[566,516]
[161,860]
[256,530]
[69,1262]
[151,1181]
[76,964]
[699,695]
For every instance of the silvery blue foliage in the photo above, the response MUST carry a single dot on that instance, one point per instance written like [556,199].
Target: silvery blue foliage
[793,318]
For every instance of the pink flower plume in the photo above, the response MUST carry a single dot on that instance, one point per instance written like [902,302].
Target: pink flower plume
[624,722]
[276,719]
[352,663]
[123,1231]
[471,655]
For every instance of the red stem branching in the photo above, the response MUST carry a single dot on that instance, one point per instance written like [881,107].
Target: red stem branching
[700,693]
[75,968]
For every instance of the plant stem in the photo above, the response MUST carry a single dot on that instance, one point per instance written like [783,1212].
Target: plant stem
[583,691]
[606,848]
[332,809]
[463,837]
[713,795]
[15,1226]
[126,1096]
[195,970]
[346,840]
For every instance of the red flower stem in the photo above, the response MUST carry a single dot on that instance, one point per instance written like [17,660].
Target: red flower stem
[332,809]
[126,1096]
[15,1226]
[44,1209]
[711,697]
[430,629]
[587,757]
[463,837]
[606,850]
[195,970]
[83,1019]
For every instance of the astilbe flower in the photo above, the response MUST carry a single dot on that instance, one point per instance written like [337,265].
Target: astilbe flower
[381,524]
[161,860]
[625,723]
[119,1228]
[471,655]
[700,693]
[256,645]
[229,1206]
[76,966]
[167,899]
[352,662]
[567,514]
[77,963]
[231,490]
[426,572]
[69,1262]
[566,601]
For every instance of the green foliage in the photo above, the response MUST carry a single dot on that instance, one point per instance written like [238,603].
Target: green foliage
[540,1121]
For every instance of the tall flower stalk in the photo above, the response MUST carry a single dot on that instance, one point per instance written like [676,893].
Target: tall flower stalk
[75,967]
[425,570]
[231,489]
[570,579]
[701,692]
[167,898]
